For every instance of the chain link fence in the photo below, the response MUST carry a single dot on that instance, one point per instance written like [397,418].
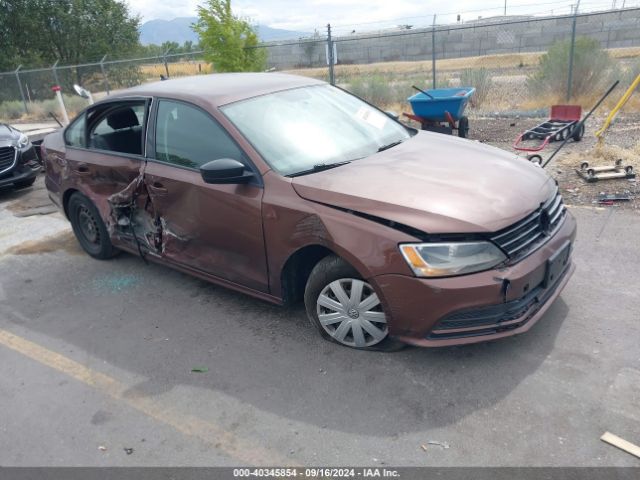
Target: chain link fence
[28,94]
[518,65]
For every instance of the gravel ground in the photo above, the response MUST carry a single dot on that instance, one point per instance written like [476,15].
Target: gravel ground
[622,141]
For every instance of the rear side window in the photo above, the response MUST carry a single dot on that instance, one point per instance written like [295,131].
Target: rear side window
[118,128]
[187,136]
[74,136]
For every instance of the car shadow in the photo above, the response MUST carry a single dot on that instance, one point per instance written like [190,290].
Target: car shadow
[159,324]
[10,193]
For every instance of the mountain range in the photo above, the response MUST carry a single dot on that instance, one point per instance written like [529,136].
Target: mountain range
[179,30]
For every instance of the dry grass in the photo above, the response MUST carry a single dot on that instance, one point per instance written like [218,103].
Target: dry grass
[177,69]
[509,73]
[502,61]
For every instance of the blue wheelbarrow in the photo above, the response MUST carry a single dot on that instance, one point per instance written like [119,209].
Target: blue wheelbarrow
[441,109]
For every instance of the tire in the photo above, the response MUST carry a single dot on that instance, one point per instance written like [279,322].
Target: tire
[578,133]
[89,228]
[331,275]
[463,127]
[24,183]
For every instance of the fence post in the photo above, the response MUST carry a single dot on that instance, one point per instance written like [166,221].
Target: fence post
[24,101]
[104,75]
[164,60]
[571,50]
[332,78]
[54,69]
[433,51]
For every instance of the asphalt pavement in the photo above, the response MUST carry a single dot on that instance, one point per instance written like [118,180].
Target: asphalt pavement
[97,360]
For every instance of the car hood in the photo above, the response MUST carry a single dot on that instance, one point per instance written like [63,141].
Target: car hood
[435,183]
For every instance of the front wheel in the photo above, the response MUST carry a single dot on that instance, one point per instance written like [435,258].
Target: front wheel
[578,133]
[345,308]
[89,228]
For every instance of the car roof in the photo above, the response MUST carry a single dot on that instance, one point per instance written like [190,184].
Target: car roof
[220,88]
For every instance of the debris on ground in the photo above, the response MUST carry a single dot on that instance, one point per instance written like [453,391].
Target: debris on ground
[102,448]
[610,198]
[444,445]
[128,450]
[200,369]
[621,443]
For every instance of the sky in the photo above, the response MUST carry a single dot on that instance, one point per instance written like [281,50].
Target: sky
[366,15]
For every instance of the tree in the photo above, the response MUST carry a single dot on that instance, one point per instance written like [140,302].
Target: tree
[229,42]
[37,32]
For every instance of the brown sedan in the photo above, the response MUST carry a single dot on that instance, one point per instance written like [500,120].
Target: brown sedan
[289,189]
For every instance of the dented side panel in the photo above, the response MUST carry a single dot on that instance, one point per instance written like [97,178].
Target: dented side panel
[212,228]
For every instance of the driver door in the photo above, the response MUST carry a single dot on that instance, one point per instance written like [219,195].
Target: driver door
[215,229]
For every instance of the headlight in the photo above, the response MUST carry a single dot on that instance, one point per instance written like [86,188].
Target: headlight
[445,259]
[23,141]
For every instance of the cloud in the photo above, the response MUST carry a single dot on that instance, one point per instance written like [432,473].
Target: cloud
[359,15]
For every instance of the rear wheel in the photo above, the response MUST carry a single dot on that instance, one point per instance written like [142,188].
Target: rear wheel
[463,127]
[345,308]
[89,228]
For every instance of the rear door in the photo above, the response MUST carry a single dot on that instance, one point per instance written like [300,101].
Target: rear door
[105,151]
[216,229]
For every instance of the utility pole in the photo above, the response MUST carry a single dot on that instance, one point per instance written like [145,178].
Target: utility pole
[505,8]
[571,50]
[433,51]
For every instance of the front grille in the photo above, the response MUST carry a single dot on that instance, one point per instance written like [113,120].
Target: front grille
[7,158]
[533,230]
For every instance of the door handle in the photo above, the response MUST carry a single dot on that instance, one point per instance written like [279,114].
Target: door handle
[82,169]
[157,188]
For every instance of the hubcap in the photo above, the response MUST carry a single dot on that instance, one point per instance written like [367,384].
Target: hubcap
[350,312]
[88,225]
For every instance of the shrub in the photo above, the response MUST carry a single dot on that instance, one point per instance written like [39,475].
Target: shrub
[39,110]
[11,110]
[592,67]
[480,78]
[375,89]
[630,73]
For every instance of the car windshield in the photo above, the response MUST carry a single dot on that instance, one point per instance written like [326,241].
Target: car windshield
[306,129]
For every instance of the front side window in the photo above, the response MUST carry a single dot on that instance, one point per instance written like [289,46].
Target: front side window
[74,136]
[187,136]
[299,129]
[118,128]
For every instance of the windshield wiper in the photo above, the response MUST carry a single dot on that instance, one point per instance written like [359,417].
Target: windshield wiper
[389,145]
[319,168]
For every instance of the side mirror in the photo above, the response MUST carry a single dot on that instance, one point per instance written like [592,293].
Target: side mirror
[225,170]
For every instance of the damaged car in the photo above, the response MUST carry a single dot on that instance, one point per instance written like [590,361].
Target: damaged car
[292,190]
[19,165]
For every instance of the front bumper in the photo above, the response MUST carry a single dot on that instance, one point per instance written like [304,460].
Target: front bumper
[475,308]
[25,168]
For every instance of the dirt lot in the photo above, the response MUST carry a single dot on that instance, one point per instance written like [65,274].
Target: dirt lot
[622,141]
